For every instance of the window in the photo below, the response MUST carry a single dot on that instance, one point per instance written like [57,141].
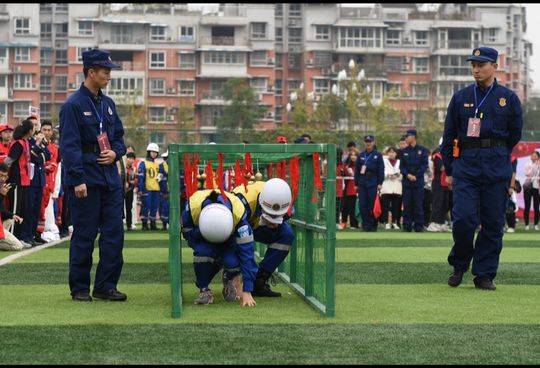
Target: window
[446,90]
[157,86]
[492,35]
[159,138]
[258,58]
[86,28]
[121,33]
[61,30]
[421,65]
[259,85]
[258,30]
[61,56]
[61,82]
[157,59]
[156,114]
[420,90]
[359,37]
[3,112]
[45,110]
[45,56]
[393,90]
[61,7]
[277,113]
[3,81]
[80,51]
[322,59]
[3,56]
[293,85]
[20,108]
[45,8]
[22,26]
[224,57]
[187,88]
[158,33]
[125,85]
[279,60]
[79,78]
[187,34]
[295,34]
[396,63]
[279,33]
[393,37]
[46,30]
[279,10]
[22,80]
[322,32]
[295,10]
[320,86]
[45,83]
[294,60]
[453,65]
[22,54]
[420,38]
[278,86]
[187,61]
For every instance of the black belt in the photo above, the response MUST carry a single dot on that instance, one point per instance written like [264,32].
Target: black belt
[91,148]
[483,143]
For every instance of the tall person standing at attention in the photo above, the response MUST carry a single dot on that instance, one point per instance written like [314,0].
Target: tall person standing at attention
[482,126]
[91,141]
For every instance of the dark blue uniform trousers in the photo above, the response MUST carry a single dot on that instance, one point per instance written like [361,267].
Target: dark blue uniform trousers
[366,201]
[208,258]
[279,241]
[163,209]
[491,199]
[413,207]
[149,205]
[31,215]
[102,210]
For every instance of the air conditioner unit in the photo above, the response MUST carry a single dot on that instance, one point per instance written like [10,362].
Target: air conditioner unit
[295,22]
[270,61]
[406,39]
[18,68]
[170,117]
[310,62]
[169,39]
[171,91]
[269,115]
[260,96]
[59,45]
[73,85]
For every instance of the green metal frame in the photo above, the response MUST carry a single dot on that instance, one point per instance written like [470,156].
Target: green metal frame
[264,154]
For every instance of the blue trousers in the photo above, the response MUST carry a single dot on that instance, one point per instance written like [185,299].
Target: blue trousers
[413,207]
[149,205]
[208,259]
[469,196]
[366,201]
[31,215]
[164,208]
[101,211]
[279,241]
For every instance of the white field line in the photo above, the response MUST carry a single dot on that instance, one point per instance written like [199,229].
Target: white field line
[26,252]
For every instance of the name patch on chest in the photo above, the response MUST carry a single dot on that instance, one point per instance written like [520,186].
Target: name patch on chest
[87,113]
[110,111]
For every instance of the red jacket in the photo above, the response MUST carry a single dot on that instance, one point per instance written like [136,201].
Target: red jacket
[340,182]
[350,188]
[24,161]
[4,150]
[51,166]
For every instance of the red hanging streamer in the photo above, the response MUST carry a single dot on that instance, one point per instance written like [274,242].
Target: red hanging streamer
[294,171]
[209,181]
[219,178]
[239,175]
[187,175]
[317,181]
[248,167]
[229,180]
[194,173]
[270,170]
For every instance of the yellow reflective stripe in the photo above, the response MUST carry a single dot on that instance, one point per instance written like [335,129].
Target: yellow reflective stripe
[197,259]
[280,246]
[244,240]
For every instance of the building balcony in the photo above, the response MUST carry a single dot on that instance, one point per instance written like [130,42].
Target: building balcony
[455,44]
[114,42]
[226,16]
[130,66]
[360,13]
[213,98]
[371,70]
[222,41]
[122,97]
[359,46]
[6,94]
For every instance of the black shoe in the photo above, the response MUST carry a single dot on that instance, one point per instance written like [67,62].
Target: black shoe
[33,242]
[64,234]
[113,295]
[153,225]
[407,229]
[144,225]
[484,283]
[38,240]
[419,229]
[455,278]
[261,287]
[81,296]
[164,226]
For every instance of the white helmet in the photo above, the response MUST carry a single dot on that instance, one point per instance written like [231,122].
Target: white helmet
[216,223]
[166,154]
[275,197]
[153,147]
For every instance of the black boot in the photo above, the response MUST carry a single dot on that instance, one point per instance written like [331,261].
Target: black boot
[261,287]
[144,225]
[153,225]
[164,226]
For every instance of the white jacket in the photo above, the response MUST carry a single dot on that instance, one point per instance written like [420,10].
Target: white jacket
[392,178]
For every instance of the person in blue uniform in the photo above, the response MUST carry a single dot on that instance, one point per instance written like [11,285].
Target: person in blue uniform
[413,164]
[216,227]
[484,121]
[163,174]
[88,121]
[368,176]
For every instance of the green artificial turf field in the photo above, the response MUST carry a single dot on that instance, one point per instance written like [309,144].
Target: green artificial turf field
[392,306]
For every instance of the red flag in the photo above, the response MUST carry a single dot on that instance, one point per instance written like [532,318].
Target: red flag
[239,175]
[229,180]
[317,181]
[209,181]
[219,174]
[248,167]
[187,175]
[377,207]
[270,170]
[294,170]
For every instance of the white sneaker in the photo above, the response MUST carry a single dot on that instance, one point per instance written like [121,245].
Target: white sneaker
[388,226]
[526,227]
[26,245]
[433,227]
[536,227]
[395,226]
[510,230]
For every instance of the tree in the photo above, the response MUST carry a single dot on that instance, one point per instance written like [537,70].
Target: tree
[186,121]
[243,112]
[134,119]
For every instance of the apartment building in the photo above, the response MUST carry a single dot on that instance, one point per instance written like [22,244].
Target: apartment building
[172,56]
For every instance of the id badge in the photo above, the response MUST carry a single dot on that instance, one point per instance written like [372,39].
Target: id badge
[103,141]
[473,129]
[363,169]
